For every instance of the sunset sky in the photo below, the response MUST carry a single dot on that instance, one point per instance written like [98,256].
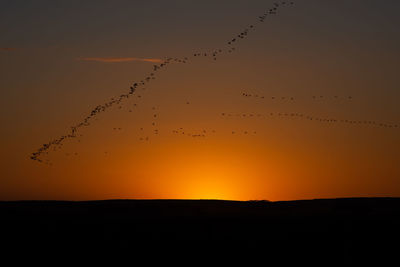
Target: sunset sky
[329,60]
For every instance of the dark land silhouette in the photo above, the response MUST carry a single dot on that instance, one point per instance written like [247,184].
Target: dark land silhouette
[325,229]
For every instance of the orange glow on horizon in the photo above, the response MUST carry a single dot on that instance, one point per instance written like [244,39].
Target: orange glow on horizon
[196,171]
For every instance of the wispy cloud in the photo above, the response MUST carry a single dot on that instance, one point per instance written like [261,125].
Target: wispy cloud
[7,48]
[119,59]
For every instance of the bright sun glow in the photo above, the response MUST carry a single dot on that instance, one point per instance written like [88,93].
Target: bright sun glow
[209,179]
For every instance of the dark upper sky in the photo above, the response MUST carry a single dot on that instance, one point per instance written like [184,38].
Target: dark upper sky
[333,61]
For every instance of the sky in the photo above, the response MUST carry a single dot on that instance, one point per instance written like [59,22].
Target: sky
[305,106]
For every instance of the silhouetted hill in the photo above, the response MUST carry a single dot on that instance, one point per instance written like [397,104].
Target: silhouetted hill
[340,229]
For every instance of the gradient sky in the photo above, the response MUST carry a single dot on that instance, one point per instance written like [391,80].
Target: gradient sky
[59,59]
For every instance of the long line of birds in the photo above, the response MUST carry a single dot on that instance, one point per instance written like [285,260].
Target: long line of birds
[293,98]
[194,134]
[310,118]
[205,133]
[58,142]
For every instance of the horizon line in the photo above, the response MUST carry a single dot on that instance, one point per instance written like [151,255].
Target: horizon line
[195,199]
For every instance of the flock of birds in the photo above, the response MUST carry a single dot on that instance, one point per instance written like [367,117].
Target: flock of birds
[310,118]
[138,87]
[292,98]
[198,134]
[204,133]
[154,129]
[141,84]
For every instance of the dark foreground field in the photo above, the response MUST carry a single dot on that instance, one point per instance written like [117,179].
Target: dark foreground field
[331,230]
